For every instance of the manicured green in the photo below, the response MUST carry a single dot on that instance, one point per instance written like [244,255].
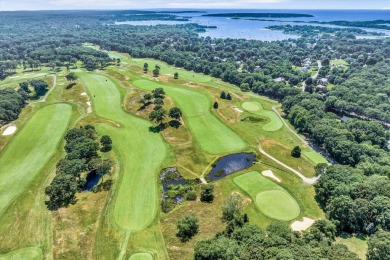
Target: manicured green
[212,135]
[31,253]
[141,256]
[271,199]
[140,152]
[256,108]
[278,205]
[315,157]
[25,156]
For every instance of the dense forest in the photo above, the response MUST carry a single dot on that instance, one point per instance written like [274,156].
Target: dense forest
[354,194]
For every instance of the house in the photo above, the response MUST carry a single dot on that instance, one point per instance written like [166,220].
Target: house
[324,82]
[280,79]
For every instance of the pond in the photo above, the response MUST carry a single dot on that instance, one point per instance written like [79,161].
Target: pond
[230,164]
[92,180]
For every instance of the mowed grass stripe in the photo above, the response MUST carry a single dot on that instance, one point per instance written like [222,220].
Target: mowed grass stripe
[141,256]
[270,198]
[141,154]
[212,135]
[256,108]
[27,154]
[31,253]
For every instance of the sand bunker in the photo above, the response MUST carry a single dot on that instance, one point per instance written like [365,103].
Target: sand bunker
[10,130]
[302,225]
[14,77]
[237,109]
[89,109]
[83,94]
[270,174]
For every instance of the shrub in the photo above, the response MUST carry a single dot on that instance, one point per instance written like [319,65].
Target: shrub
[191,195]
[207,193]
[187,227]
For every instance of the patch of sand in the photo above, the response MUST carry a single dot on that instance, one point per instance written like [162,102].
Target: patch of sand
[10,130]
[14,77]
[89,109]
[269,173]
[83,94]
[237,109]
[302,225]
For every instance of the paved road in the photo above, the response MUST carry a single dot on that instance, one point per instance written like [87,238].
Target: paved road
[43,100]
[300,175]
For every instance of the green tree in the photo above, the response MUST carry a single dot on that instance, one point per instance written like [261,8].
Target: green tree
[207,193]
[156,72]
[175,113]
[24,86]
[231,206]
[158,93]
[296,152]
[223,95]
[215,106]
[379,246]
[158,115]
[61,191]
[106,143]
[71,77]
[146,67]
[187,227]
[176,75]
[228,96]
[158,101]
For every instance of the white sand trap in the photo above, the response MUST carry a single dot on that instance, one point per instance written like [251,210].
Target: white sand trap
[237,109]
[83,94]
[10,130]
[89,109]
[14,77]
[302,225]
[269,173]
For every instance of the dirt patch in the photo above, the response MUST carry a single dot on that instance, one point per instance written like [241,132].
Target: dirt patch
[83,94]
[10,130]
[270,174]
[302,225]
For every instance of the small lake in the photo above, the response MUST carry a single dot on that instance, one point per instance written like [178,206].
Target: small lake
[230,164]
[92,180]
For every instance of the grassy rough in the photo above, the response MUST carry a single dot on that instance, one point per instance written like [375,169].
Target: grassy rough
[212,135]
[32,253]
[25,156]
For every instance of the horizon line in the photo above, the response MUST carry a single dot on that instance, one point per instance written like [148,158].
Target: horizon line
[184,9]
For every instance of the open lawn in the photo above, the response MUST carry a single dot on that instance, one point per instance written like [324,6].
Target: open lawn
[140,152]
[212,135]
[31,253]
[22,160]
[315,157]
[271,199]
[256,108]
[355,244]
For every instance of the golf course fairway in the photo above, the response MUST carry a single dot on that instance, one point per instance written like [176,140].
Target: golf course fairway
[141,256]
[140,152]
[211,134]
[270,198]
[257,108]
[31,253]
[23,159]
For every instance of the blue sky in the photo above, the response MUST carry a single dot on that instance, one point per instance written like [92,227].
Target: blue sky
[222,4]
